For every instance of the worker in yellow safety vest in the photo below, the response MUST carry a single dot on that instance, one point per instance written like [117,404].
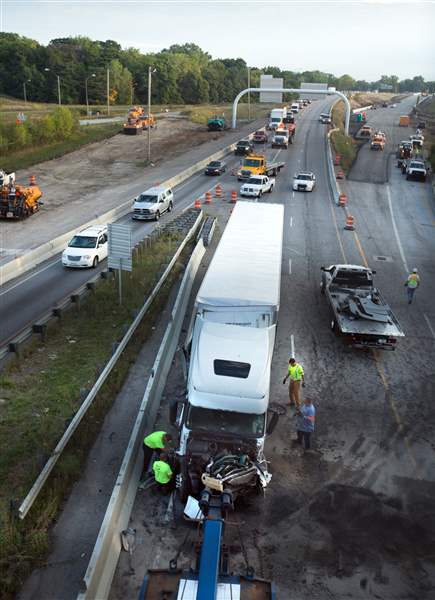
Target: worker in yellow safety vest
[412,284]
[155,442]
[163,473]
[297,378]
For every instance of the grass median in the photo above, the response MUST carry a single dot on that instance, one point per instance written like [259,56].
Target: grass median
[343,144]
[41,392]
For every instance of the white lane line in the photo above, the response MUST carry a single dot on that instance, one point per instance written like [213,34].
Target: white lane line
[289,266]
[275,157]
[291,221]
[12,287]
[292,346]
[396,232]
[431,329]
[293,194]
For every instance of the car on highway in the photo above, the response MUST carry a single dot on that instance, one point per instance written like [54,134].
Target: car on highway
[260,137]
[416,169]
[421,125]
[255,187]
[417,140]
[244,147]
[325,118]
[215,167]
[152,203]
[87,248]
[304,182]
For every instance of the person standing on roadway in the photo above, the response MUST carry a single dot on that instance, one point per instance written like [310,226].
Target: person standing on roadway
[412,284]
[163,473]
[296,375]
[154,442]
[306,417]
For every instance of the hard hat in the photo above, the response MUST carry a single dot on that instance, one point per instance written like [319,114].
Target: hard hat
[415,270]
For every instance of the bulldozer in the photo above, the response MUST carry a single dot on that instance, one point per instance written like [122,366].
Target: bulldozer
[18,201]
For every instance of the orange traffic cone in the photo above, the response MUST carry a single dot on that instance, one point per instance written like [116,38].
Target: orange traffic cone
[218,191]
[233,197]
[340,175]
[207,198]
[350,223]
[342,199]
[197,203]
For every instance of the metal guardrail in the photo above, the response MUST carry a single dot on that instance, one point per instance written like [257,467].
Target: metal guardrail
[102,565]
[330,164]
[42,477]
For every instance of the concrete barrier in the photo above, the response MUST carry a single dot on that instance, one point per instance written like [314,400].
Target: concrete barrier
[49,465]
[20,265]
[102,565]
[330,164]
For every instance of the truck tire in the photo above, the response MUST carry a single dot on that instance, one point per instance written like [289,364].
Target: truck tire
[157,217]
[271,189]
[260,193]
[333,326]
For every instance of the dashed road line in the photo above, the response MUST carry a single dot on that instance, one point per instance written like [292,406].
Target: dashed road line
[291,221]
[431,329]
[292,346]
[396,232]
[289,266]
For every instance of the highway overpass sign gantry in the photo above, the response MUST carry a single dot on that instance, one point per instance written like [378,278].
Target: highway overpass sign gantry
[301,91]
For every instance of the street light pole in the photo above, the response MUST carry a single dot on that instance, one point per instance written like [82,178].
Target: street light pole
[58,86]
[150,72]
[86,89]
[249,94]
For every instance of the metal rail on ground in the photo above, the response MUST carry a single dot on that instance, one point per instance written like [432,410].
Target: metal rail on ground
[42,477]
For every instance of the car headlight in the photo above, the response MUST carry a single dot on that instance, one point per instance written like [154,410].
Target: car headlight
[87,256]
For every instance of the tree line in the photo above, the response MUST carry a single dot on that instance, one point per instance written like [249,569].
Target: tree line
[184,74]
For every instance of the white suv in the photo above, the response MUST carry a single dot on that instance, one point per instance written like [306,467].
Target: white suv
[304,182]
[87,248]
[153,203]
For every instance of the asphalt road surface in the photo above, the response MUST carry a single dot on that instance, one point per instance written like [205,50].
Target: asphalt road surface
[355,518]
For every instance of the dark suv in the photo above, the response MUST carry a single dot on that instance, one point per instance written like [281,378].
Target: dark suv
[244,147]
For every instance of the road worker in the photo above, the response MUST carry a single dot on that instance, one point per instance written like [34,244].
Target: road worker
[306,417]
[163,473]
[154,442]
[412,284]
[296,376]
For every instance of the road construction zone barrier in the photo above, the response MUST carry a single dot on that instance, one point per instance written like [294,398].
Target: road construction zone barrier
[207,198]
[337,159]
[340,175]
[218,191]
[197,203]
[233,197]
[350,223]
[342,199]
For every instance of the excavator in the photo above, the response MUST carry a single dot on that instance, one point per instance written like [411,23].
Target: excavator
[211,579]
[18,201]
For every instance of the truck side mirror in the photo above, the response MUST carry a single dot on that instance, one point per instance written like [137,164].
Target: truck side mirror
[272,421]
[322,269]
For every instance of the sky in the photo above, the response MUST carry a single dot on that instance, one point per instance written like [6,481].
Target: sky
[364,38]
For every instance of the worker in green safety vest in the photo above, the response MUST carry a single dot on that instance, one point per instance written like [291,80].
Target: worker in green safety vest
[163,473]
[155,442]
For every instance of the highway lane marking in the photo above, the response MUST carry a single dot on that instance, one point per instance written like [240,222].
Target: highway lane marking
[291,221]
[360,250]
[334,218]
[12,287]
[290,267]
[292,346]
[396,232]
[426,318]
[275,157]
[293,194]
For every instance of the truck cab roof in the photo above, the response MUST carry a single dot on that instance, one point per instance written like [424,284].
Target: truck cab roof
[234,358]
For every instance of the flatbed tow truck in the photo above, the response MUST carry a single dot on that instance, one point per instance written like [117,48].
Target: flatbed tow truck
[211,578]
[360,315]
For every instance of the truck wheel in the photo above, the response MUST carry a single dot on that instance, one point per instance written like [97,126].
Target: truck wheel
[260,193]
[271,189]
[157,216]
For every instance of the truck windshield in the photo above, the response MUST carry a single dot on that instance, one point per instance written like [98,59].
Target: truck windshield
[250,162]
[83,241]
[147,198]
[225,421]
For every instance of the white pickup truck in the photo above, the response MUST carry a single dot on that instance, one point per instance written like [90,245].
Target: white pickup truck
[257,185]
[416,169]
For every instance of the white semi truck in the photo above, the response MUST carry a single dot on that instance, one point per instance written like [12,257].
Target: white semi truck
[225,416]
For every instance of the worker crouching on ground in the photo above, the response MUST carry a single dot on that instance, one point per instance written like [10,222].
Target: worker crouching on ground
[306,417]
[163,474]
[155,442]
[296,375]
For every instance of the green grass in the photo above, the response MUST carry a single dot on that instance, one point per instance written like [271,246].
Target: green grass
[201,114]
[343,144]
[28,157]
[42,390]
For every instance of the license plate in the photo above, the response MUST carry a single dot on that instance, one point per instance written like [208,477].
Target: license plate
[9,215]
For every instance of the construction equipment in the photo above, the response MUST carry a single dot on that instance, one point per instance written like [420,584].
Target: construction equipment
[256,164]
[138,120]
[211,579]
[404,121]
[216,123]
[378,141]
[18,201]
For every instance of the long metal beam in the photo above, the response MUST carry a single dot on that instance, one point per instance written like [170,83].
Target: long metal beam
[328,92]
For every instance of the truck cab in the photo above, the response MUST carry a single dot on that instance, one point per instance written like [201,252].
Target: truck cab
[280,139]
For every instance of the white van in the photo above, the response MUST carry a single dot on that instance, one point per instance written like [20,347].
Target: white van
[87,248]
[295,107]
[152,203]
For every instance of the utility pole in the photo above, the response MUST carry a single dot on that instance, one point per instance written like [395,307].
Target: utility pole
[25,92]
[150,72]
[249,94]
[58,90]
[108,92]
